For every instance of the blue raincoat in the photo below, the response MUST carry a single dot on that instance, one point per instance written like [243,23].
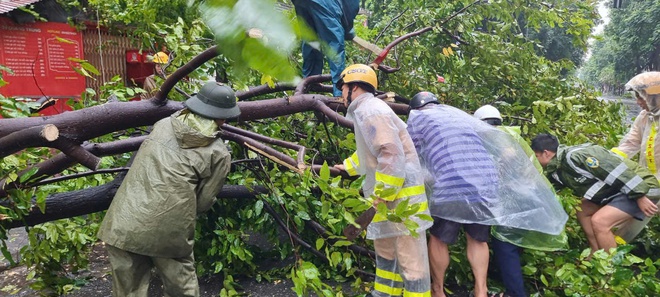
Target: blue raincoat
[332,20]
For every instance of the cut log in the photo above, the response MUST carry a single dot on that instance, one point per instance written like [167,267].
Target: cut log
[40,135]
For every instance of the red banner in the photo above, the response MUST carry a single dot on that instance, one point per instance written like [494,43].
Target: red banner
[39,55]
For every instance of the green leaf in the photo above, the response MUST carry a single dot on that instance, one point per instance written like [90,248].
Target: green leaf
[258,207]
[544,280]
[27,175]
[341,243]
[41,201]
[319,243]
[335,258]
[401,207]
[324,173]
[303,215]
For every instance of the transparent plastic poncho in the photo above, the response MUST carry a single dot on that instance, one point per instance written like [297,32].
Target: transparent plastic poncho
[492,180]
[384,149]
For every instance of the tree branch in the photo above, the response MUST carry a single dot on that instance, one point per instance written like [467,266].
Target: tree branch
[42,135]
[76,152]
[95,199]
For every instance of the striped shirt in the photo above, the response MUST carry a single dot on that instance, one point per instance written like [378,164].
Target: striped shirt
[454,154]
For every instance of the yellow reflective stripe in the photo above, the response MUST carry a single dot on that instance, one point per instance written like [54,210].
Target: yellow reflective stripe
[351,163]
[355,159]
[407,293]
[650,143]
[350,169]
[619,240]
[390,180]
[388,290]
[411,191]
[386,184]
[379,217]
[423,207]
[389,275]
[619,152]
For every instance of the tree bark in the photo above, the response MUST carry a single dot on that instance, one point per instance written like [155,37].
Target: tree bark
[29,137]
[91,200]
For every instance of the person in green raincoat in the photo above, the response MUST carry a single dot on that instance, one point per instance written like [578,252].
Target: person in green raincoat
[176,175]
[613,190]
[507,243]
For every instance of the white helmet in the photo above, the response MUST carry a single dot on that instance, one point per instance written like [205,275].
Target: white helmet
[487,112]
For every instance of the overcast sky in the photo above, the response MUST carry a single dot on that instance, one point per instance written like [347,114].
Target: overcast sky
[604,13]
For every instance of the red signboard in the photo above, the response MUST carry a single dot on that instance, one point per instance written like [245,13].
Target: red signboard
[39,55]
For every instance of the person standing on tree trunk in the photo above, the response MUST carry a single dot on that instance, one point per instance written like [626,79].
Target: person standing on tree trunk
[332,21]
[176,175]
[386,156]
[613,190]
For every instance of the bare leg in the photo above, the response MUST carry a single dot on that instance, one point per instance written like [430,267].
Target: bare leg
[477,253]
[439,260]
[603,221]
[584,217]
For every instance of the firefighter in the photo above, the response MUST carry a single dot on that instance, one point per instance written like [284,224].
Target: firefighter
[386,156]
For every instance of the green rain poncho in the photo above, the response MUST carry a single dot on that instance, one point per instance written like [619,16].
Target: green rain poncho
[176,174]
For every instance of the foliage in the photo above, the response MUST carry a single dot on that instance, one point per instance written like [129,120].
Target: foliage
[56,251]
[629,45]
[617,274]
[499,52]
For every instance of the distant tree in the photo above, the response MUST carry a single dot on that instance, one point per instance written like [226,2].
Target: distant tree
[630,44]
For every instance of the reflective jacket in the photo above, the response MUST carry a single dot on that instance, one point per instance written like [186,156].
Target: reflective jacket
[386,156]
[597,174]
[642,138]
[176,175]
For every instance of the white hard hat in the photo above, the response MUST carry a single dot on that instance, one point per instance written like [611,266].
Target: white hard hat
[487,112]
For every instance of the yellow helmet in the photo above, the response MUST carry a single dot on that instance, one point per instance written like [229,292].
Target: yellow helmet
[358,73]
[161,58]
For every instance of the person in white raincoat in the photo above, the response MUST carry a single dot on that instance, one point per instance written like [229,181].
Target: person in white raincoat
[176,174]
[642,138]
[386,156]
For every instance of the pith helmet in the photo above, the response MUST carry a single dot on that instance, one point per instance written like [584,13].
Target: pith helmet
[161,58]
[647,86]
[422,98]
[358,73]
[214,101]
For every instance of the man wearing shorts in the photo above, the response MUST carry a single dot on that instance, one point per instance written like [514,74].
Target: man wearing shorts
[464,185]
[613,190]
